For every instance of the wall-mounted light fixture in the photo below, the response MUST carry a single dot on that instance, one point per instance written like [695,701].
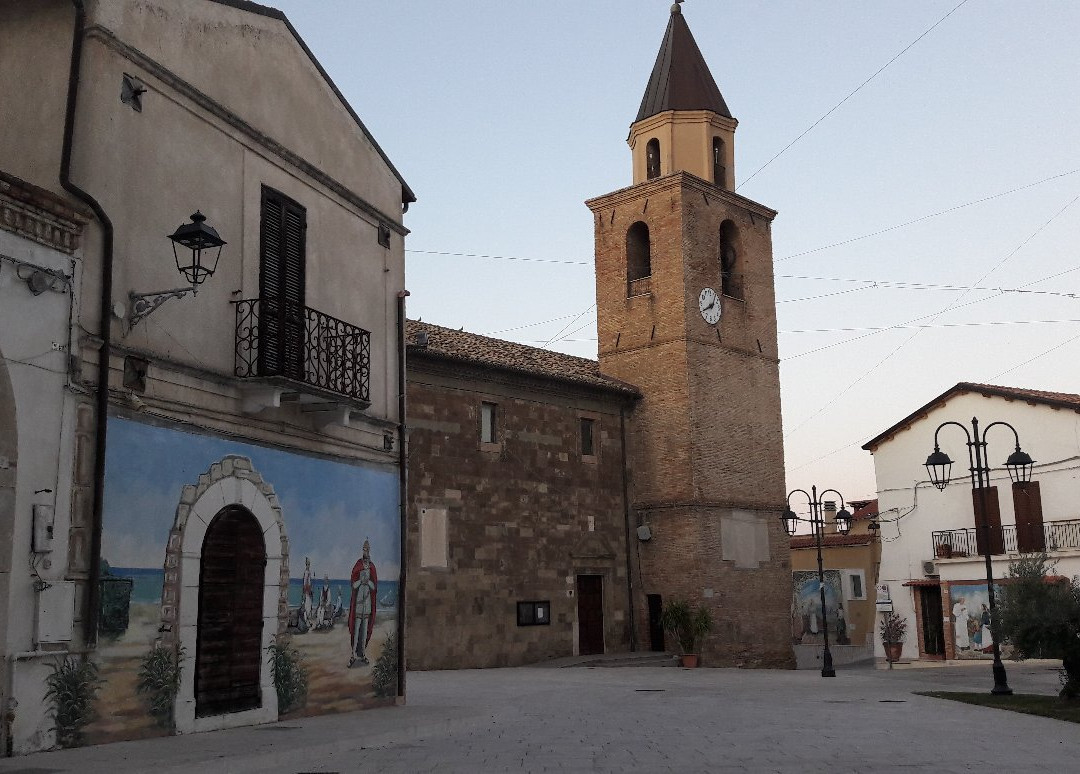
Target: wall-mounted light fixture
[204,244]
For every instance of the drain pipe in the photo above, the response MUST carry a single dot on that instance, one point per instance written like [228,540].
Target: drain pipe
[90,619]
[403,491]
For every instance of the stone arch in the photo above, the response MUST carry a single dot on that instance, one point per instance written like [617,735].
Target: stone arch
[231,481]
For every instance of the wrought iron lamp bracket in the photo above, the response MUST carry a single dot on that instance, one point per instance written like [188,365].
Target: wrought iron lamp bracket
[144,304]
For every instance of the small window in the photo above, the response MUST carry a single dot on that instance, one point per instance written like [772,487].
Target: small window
[534,613]
[384,235]
[487,423]
[588,447]
[731,280]
[719,163]
[638,254]
[652,159]
[856,584]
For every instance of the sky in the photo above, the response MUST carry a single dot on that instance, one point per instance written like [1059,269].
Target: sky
[923,157]
[322,501]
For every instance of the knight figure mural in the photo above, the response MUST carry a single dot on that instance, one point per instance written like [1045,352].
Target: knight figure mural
[365,583]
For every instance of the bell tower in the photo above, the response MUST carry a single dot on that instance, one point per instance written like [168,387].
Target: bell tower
[686,312]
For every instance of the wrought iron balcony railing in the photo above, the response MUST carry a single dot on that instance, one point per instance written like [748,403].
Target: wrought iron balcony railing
[1009,539]
[277,338]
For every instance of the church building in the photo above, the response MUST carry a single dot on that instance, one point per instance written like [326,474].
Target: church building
[587,494]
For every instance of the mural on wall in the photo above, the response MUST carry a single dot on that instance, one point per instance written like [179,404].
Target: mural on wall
[807,623]
[200,533]
[970,620]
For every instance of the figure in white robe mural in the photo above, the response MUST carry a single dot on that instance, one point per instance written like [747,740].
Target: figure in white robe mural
[365,584]
[960,624]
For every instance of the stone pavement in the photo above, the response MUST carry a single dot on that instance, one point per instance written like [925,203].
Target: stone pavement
[650,719]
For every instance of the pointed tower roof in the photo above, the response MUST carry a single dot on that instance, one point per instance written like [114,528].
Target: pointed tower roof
[680,78]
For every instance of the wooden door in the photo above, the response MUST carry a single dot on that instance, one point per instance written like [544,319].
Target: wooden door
[229,643]
[590,606]
[932,621]
[282,315]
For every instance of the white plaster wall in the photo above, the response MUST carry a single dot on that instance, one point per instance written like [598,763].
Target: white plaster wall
[1051,436]
[29,327]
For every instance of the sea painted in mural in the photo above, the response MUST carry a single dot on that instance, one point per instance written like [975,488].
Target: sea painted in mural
[807,623]
[970,623]
[319,583]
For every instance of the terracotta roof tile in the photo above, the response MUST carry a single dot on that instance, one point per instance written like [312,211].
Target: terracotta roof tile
[831,541]
[449,344]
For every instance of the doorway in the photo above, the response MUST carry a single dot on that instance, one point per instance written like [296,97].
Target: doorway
[656,627]
[228,652]
[590,613]
[933,630]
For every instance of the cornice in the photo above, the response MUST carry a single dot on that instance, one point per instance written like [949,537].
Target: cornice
[39,215]
[680,179]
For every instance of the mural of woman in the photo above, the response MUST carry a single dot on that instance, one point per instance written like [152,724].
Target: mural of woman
[987,640]
[365,583]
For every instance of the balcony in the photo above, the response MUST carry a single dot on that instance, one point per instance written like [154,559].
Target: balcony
[1009,539]
[305,355]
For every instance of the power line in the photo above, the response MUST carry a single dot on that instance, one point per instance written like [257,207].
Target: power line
[503,257]
[857,89]
[929,325]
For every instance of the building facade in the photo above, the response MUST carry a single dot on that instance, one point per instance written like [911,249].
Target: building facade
[932,563]
[219,500]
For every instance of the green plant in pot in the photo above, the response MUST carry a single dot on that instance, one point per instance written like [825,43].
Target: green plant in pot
[893,633]
[688,626]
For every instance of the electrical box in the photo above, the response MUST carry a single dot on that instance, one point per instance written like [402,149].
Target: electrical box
[43,529]
[56,612]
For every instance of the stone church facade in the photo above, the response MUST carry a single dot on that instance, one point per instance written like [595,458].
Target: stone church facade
[687,329]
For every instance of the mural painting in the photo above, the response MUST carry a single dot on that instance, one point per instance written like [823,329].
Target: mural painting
[970,621]
[807,622]
[240,580]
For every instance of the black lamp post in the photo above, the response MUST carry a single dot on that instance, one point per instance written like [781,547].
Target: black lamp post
[791,521]
[1019,464]
[199,238]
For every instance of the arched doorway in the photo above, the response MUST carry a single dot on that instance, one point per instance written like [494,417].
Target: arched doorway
[228,654]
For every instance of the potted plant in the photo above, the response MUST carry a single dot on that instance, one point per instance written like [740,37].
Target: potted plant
[893,633]
[687,625]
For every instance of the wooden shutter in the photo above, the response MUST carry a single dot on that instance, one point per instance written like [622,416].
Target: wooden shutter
[282,286]
[993,519]
[1027,505]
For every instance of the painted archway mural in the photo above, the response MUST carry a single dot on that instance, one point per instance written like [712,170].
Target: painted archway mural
[331,534]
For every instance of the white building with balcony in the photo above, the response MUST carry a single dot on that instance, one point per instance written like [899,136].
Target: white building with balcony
[932,553]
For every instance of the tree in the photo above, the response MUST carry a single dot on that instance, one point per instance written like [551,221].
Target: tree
[1039,616]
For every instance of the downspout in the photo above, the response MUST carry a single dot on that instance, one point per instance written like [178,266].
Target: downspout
[403,487]
[626,520]
[90,619]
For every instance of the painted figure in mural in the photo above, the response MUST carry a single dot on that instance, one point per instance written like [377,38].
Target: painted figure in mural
[841,626]
[960,624]
[323,617]
[365,583]
[813,614]
[306,603]
[987,639]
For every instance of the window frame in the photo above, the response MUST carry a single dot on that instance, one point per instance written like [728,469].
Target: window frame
[489,441]
[534,612]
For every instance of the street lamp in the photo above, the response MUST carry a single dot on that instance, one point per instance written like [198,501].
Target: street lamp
[1019,464]
[791,520]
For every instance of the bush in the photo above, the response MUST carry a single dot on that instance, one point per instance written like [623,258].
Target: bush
[688,625]
[1040,617]
[384,673]
[290,677]
[159,680]
[893,628]
[71,690]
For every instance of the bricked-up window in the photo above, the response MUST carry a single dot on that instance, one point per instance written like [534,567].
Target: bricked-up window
[652,159]
[433,538]
[534,613]
[719,167]
[487,422]
[588,428]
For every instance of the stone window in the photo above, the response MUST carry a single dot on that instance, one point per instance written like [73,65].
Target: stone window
[652,159]
[638,260]
[434,543]
[719,166]
[534,613]
[487,422]
[588,437]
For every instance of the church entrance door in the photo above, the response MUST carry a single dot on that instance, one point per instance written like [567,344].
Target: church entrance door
[229,646]
[590,606]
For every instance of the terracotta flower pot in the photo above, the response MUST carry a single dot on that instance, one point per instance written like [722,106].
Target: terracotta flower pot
[688,660]
[893,650]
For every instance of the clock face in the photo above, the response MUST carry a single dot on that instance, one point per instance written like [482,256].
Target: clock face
[709,304]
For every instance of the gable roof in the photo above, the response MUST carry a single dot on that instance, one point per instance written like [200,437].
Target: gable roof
[461,346]
[680,78]
[407,195]
[1061,400]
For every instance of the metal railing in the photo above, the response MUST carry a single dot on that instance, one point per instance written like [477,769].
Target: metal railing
[281,338]
[1009,539]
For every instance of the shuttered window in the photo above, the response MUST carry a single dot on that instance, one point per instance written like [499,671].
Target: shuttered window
[281,285]
[991,528]
[1027,505]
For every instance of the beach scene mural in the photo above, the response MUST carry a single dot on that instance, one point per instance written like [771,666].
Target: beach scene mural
[970,622]
[202,533]
[807,620]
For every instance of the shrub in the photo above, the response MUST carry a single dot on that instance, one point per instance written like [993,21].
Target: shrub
[893,628]
[71,690]
[688,625]
[290,677]
[159,680]
[384,673]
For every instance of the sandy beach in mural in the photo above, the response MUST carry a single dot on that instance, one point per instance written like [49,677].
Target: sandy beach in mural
[332,686]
